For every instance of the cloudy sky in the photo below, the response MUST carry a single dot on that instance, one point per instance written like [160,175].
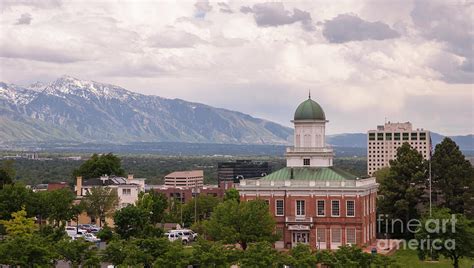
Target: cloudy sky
[364,61]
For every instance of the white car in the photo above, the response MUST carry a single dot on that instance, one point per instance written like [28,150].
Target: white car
[73,231]
[173,236]
[91,237]
[185,233]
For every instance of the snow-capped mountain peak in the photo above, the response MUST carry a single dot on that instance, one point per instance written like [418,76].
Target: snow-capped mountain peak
[79,110]
[68,85]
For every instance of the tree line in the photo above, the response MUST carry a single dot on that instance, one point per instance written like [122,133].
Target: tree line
[404,195]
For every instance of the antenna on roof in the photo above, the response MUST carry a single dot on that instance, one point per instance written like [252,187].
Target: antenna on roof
[309,94]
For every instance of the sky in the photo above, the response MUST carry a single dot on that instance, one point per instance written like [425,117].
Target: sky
[365,62]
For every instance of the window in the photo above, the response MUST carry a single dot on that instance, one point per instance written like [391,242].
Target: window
[406,136]
[397,137]
[321,210]
[388,136]
[422,136]
[414,136]
[321,235]
[335,208]
[350,236]
[280,210]
[126,191]
[380,136]
[306,162]
[371,136]
[336,235]
[350,208]
[300,210]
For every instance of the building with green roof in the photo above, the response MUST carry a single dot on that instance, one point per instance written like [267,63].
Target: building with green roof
[312,201]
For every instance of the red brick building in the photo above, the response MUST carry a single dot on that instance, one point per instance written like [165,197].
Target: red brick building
[312,201]
[184,194]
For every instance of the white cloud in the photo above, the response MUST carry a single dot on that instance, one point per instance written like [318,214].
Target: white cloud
[262,64]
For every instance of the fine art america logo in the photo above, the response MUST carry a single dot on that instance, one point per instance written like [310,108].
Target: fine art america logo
[430,226]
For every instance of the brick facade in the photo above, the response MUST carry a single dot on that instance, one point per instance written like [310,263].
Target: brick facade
[362,225]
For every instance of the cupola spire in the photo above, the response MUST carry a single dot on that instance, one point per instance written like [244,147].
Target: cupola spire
[309,94]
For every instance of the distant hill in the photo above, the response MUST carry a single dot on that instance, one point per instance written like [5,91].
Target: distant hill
[73,110]
[73,113]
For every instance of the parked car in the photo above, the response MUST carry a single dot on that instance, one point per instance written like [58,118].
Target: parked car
[73,231]
[95,230]
[88,227]
[91,238]
[186,232]
[173,236]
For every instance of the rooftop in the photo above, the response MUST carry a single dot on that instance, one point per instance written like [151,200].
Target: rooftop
[186,174]
[309,110]
[106,181]
[310,174]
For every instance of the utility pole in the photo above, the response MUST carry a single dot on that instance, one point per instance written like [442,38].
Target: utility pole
[195,200]
[429,179]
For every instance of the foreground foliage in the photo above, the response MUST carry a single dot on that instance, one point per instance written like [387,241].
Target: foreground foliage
[241,222]
[450,235]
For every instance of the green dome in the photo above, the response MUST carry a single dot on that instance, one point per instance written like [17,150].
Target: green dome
[309,110]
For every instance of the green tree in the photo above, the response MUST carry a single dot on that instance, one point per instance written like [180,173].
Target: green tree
[469,201]
[243,223]
[121,252]
[326,257]
[8,167]
[78,252]
[23,251]
[13,197]
[261,254]
[451,174]
[57,206]
[20,224]
[232,194]
[453,233]
[382,261]
[105,234]
[155,204]
[4,178]
[381,174]
[302,256]
[213,254]
[101,202]
[153,248]
[202,206]
[175,256]
[352,256]
[131,221]
[402,190]
[99,165]
[7,172]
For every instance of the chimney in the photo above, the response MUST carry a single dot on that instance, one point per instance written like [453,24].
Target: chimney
[130,177]
[79,186]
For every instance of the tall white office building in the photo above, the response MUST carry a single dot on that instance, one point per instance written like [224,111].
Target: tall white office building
[382,143]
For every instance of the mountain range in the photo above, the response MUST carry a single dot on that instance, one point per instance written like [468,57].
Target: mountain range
[70,110]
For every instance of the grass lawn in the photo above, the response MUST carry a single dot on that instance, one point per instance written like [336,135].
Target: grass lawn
[409,258]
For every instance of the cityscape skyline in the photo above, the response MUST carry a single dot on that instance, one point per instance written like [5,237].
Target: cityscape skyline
[400,61]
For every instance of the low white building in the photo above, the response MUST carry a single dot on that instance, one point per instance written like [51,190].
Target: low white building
[127,188]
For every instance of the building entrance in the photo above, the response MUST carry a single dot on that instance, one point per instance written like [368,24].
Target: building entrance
[299,237]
